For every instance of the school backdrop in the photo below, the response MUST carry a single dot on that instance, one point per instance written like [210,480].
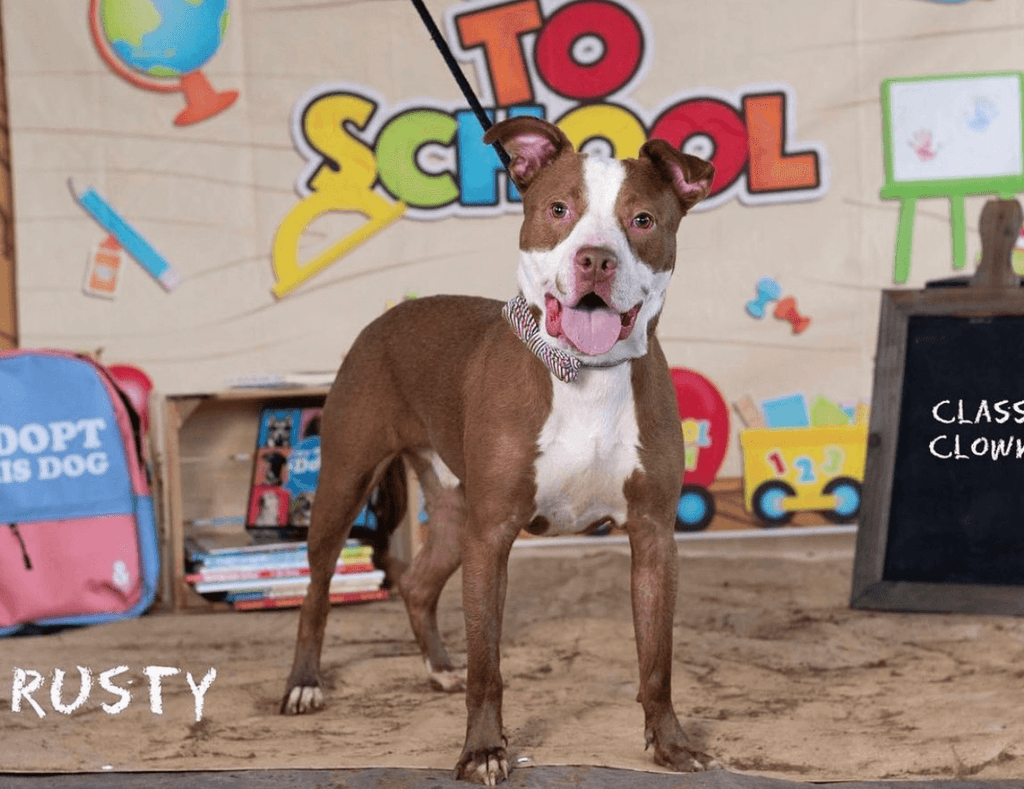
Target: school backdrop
[220,189]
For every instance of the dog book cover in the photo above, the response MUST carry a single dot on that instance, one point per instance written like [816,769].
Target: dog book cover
[285,471]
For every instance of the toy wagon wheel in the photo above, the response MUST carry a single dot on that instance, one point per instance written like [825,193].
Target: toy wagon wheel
[847,493]
[767,502]
[695,509]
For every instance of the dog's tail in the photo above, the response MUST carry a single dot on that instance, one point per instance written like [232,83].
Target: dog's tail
[388,504]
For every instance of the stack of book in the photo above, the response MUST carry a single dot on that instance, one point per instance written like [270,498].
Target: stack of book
[277,575]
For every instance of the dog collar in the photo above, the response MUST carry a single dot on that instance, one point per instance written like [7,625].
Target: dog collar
[564,366]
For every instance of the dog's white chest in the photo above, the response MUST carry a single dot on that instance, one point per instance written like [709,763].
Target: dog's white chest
[588,448]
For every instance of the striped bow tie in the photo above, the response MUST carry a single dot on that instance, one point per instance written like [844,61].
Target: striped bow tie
[562,365]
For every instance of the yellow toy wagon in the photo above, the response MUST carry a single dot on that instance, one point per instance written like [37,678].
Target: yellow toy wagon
[786,470]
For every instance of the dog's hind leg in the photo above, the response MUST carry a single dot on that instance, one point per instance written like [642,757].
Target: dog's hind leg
[342,492]
[439,557]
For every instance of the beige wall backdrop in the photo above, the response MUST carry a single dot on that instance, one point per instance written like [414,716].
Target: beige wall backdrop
[210,196]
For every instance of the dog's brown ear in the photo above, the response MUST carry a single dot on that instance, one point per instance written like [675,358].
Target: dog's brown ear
[531,144]
[689,176]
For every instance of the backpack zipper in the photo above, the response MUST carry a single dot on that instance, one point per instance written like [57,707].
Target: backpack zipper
[21,542]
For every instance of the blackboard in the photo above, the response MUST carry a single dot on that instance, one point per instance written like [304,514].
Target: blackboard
[942,521]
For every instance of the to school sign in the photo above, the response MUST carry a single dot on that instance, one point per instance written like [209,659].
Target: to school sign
[574,63]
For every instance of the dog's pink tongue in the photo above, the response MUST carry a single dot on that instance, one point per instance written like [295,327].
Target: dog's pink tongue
[591,331]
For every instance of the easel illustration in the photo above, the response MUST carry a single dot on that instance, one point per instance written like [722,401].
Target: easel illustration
[950,136]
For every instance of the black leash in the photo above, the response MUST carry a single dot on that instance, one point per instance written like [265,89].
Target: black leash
[460,78]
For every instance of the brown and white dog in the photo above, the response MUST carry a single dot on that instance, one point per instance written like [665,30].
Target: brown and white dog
[554,413]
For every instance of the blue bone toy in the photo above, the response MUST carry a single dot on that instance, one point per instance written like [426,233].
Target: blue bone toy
[767,290]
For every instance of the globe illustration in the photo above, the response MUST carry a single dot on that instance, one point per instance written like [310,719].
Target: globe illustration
[164,38]
[161,45]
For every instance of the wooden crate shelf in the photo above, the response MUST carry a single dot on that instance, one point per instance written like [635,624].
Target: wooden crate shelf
[205,468]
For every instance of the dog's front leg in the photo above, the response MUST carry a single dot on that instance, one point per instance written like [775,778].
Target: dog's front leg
[653,577]
[485,552]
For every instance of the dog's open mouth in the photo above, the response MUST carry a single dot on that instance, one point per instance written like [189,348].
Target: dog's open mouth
[592,326]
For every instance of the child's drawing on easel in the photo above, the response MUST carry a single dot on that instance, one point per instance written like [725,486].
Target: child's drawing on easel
[924,145]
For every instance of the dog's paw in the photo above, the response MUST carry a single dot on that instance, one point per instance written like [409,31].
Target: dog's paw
[488,767]
[447,680]
[682,759]
[673,749]
[302,699]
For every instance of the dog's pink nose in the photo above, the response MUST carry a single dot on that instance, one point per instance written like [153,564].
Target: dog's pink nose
[596,263]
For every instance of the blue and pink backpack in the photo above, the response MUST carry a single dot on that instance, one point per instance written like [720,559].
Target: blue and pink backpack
[78,539]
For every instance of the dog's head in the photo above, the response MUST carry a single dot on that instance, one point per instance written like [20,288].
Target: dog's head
[274,465]
[279,432]
[598,241]
[301,510]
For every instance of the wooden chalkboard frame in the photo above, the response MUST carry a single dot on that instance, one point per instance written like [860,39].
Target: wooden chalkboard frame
[993,291]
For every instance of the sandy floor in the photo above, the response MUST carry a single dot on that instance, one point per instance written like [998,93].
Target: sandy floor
[773,674]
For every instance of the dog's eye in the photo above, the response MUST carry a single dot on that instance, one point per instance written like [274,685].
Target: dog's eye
[643,221]
[559,210]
